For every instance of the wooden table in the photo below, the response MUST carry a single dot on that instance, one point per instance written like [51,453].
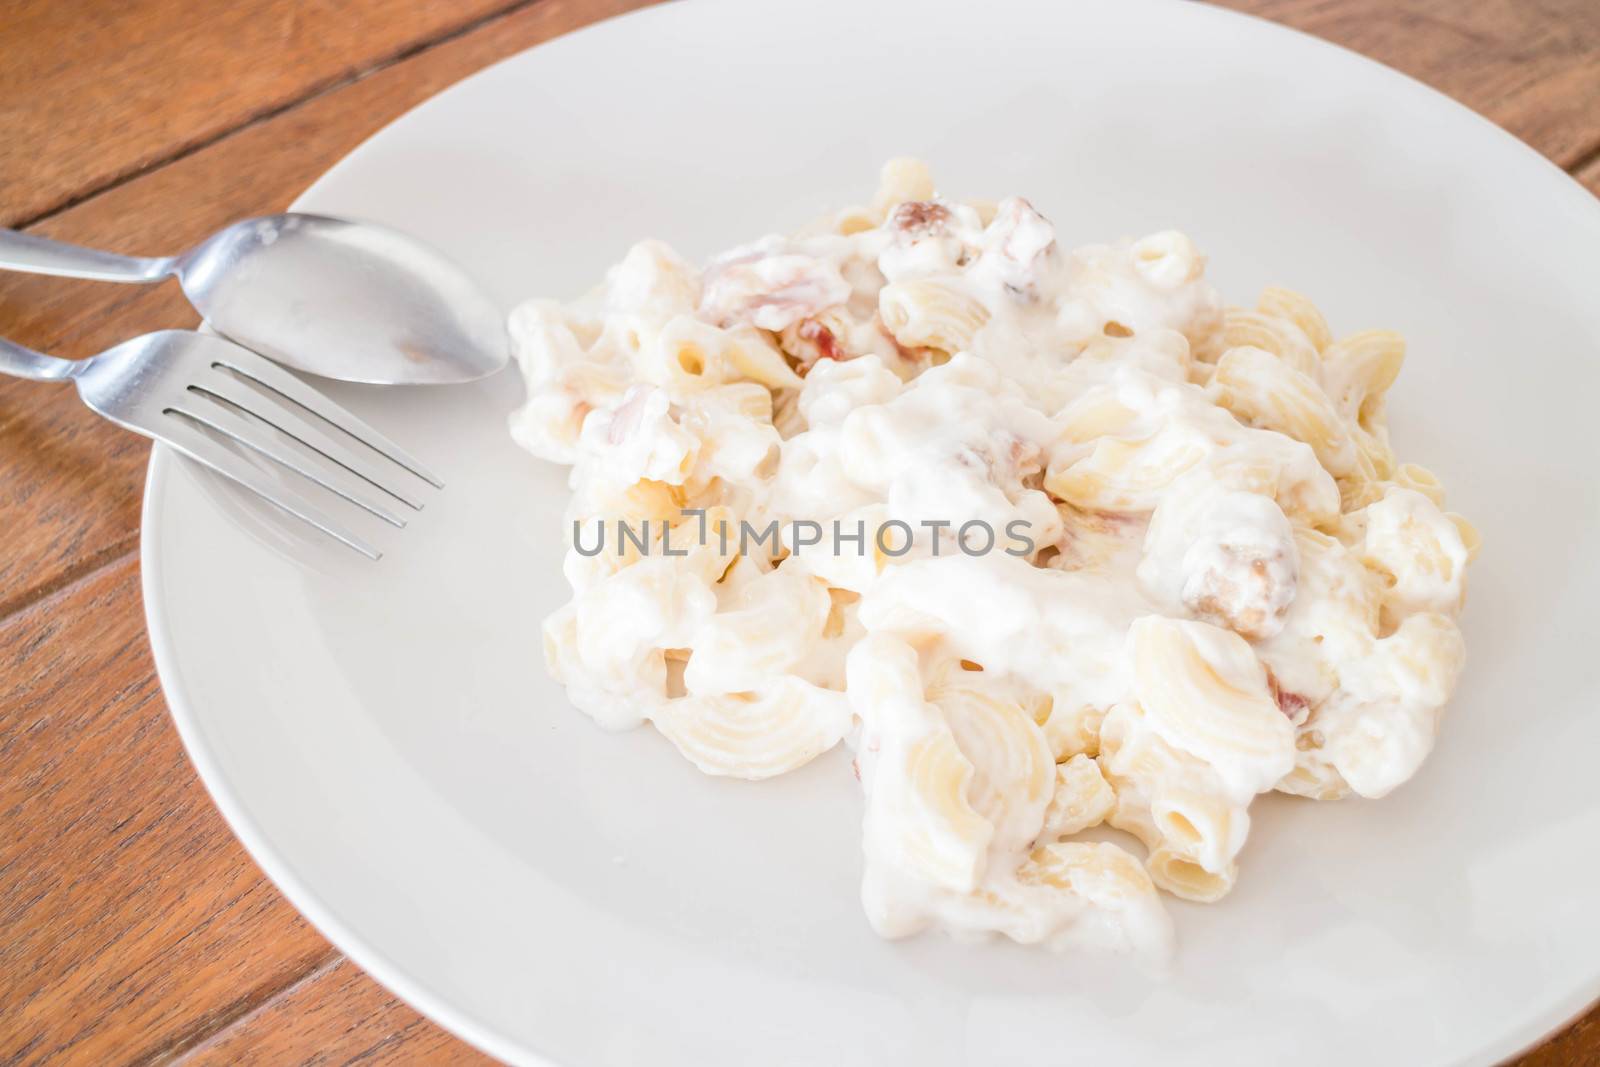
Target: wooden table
[133,927]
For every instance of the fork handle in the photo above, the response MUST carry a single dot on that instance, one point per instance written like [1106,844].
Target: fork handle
[26,363]
[33,254]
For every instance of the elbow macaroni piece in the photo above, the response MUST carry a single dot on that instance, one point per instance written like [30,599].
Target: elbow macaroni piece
[1204,692]
[756,734]
[1418,551]
[1175,804]
[1014,770]
[1286,305]
[767,630]
[901,180]
[921,832]
[1283,338]
[1204,573]
[1266,391]
[1081,801]
[926,314]
[1360,369]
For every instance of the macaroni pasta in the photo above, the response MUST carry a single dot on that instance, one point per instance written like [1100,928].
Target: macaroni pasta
[1051,538]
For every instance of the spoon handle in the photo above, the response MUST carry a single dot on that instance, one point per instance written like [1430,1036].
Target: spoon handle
[26,363]
[32,254]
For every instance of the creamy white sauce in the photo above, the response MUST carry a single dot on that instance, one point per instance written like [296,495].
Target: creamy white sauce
[1072,585]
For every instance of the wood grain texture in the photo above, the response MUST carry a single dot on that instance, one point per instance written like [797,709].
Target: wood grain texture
[135,929]
[1576,1046]
[91,92]
[1589,175]
[337,1015]
[1532,66]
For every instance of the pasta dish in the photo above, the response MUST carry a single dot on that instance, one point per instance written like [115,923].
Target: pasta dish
[1055,541]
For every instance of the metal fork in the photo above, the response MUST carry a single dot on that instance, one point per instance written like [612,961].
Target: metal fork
[194,392]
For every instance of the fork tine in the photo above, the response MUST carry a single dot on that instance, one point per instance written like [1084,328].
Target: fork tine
[275,378]
[233,394]
[203,450]
[258,438]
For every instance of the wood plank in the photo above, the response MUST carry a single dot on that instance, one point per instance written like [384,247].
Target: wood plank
[132,916]
[1589,175]
[336,1015]
[70,483]
[103,90]
[1576,1046]
[1534,68]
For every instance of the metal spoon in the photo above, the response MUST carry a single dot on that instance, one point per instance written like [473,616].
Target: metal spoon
[347,300]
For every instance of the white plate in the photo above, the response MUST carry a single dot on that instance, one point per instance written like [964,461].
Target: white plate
[385,740]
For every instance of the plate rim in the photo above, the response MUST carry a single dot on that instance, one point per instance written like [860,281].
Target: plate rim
[1561,1012]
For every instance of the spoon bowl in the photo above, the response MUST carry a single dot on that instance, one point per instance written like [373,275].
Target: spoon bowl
[353,301]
